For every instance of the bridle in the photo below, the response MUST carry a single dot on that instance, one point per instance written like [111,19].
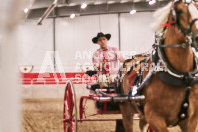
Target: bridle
[174,14]
[186,32]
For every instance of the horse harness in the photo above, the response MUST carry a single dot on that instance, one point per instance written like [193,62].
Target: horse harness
[165,72]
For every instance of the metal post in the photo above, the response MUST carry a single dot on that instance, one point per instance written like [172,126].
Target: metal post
[119,32]
[54,41]
[47,12]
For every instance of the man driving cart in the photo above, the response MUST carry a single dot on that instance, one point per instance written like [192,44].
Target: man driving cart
[105,60]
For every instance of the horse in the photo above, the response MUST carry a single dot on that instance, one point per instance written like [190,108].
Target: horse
[171,95]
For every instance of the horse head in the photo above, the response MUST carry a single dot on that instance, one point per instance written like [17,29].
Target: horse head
[185,15]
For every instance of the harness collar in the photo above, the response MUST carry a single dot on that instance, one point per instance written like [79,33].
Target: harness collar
[172,71]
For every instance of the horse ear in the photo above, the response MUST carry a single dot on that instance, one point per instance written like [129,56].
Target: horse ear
[178,1]
[175,1]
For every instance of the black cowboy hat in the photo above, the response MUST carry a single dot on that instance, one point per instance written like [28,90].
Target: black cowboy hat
[95,39]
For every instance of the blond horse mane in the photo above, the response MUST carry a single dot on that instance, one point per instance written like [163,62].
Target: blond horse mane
[161,16]
[194,13]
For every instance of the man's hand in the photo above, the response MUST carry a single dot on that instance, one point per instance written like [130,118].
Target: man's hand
[100,66]
[122,60]
[103,63]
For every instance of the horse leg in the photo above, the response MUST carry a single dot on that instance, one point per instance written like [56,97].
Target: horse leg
[183,125]
[157,123]
[189,126]
[128,111]
[192,123]
[142,124]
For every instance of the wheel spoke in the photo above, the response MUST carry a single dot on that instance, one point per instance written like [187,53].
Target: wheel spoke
[69,115]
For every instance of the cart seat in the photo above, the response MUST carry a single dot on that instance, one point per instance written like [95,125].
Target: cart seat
[94,86]
[91,73]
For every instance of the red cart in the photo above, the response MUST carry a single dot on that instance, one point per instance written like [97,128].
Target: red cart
[107,102]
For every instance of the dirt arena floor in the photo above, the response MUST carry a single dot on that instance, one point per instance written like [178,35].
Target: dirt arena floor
[45,115]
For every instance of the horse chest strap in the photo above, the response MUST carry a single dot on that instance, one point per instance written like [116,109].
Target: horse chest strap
[183,114]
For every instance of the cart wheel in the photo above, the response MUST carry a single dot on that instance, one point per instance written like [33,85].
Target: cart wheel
[149,129]
[70,109]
